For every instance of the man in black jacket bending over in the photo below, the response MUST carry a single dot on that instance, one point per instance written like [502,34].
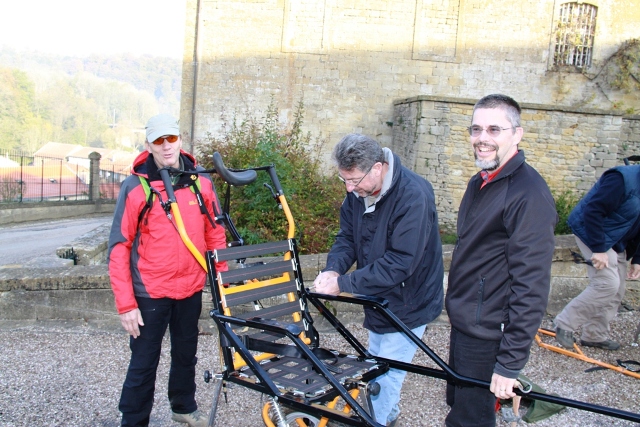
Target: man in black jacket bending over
[501,265]
[389,226]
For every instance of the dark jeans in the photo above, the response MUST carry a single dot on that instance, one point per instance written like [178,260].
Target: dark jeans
[181,316]
[474,358]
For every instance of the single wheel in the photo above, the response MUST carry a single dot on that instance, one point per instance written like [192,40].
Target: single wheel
[294,419]
[291,418]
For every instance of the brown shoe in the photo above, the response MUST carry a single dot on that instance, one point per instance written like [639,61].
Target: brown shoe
[194,419]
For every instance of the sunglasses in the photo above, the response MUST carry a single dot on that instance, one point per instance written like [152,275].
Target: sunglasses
[493,131]
[170,138]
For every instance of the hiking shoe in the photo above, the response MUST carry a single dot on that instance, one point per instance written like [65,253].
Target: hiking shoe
[606,344]
[194,419]
[565,338]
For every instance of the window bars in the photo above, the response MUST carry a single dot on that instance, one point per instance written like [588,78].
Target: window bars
[575,34]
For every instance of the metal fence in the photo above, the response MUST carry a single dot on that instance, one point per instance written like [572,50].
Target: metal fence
[33,178]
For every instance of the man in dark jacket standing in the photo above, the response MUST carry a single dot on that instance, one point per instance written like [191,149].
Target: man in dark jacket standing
[500,271]
[389,227]
[606,223]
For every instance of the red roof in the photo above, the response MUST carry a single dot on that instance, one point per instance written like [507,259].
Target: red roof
[48,182]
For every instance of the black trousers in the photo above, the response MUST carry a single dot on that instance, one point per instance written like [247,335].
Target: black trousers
[474,358]
[181,316]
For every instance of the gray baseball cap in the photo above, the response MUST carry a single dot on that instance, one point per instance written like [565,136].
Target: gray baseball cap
[161,125]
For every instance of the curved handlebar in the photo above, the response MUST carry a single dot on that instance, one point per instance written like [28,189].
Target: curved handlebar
[233,178]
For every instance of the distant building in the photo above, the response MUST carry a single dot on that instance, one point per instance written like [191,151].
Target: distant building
[60,171]
[351,60]
[116,160]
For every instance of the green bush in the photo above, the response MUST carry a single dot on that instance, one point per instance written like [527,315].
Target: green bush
[313,197]
[565,202]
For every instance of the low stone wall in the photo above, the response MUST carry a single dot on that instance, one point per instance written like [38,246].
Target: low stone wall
[90,248]
[46,211]
[84,292]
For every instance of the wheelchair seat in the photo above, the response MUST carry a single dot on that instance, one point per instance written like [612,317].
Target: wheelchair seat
[269,343]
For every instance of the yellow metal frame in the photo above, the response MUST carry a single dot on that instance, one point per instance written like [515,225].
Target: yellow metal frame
[323,421]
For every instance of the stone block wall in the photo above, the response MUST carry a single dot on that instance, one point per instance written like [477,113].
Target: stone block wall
[350,59]
[570,148]
[84,291]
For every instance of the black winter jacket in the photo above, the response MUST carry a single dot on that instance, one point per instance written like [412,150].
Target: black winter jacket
[397,249]
[501,266]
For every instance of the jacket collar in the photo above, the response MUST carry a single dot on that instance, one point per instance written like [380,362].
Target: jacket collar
[508,169]
[146,167]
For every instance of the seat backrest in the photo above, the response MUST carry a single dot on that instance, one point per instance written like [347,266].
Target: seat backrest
[266,289]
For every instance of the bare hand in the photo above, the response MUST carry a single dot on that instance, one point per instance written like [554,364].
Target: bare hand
[634,271]
[327,283]
[131,322]
[600,260]
[502,387]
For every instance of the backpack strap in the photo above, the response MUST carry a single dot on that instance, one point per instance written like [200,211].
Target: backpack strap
[149,198]
[195,187]
[149,193]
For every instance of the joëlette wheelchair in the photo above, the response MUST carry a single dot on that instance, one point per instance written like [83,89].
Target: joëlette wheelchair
[268,342]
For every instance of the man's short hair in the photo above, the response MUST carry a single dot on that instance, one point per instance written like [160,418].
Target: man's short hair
[357,151]
[505,103]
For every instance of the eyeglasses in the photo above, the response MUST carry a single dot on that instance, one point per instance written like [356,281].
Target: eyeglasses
[170,138]
[354,182]
[493,130]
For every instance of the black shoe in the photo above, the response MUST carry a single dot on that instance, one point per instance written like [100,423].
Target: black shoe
[565,338]
[606,344]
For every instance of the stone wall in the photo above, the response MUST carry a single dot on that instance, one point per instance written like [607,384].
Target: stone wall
[84,292]
[46,211]
[350,60]
[570,148]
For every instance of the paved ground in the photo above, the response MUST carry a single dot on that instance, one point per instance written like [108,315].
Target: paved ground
[21,243]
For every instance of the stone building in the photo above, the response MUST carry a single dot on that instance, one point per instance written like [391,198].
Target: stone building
[356,62]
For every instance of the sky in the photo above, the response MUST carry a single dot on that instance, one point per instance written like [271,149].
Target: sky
[83,27]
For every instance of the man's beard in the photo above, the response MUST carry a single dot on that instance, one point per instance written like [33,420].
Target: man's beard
[488,165]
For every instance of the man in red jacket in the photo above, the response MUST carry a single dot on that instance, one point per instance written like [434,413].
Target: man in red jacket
[156,280]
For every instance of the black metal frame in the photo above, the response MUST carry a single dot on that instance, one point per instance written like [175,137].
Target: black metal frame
[263,381]
[230,340]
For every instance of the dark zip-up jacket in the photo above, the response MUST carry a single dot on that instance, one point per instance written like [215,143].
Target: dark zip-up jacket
[397,249]
[501,266]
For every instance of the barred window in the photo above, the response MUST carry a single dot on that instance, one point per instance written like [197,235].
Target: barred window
[574,34]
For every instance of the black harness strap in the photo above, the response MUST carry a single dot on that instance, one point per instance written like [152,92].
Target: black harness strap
[151,191]
[629,365]
[203,208]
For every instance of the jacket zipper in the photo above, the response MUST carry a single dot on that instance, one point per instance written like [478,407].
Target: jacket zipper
[480,299]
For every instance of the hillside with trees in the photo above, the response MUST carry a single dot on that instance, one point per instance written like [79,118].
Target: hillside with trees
[97,101]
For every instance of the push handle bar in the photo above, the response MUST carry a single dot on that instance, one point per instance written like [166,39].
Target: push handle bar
[237,178]
[631,159]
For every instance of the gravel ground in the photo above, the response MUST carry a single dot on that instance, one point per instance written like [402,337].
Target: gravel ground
[70,374]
